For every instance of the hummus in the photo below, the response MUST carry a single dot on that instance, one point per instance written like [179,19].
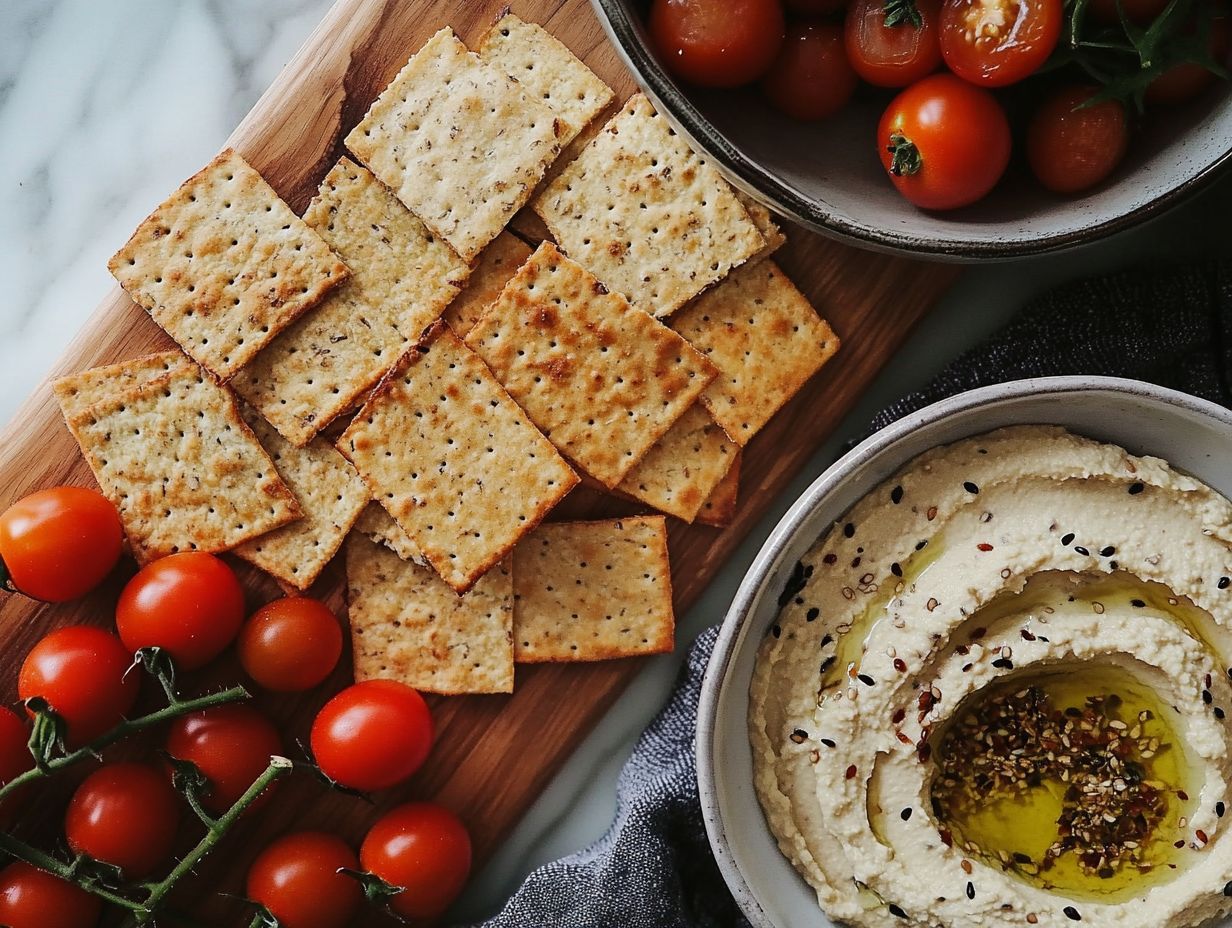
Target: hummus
[997,694]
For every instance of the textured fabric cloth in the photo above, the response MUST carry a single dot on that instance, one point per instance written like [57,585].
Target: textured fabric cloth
[653,868]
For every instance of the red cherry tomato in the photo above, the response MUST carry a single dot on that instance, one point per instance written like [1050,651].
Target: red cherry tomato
[15,756]
[59,544]
[997,42]
[82,672]
[423,848]
[1072,147]
[944,143]
[811,78]
[1140,12]
[189,604]
[898,54]
[297,879]
[815,7]
[290,644]
[124,814]
[372,735]
[717,43]
[1183,82]
[231,745]
[32,898]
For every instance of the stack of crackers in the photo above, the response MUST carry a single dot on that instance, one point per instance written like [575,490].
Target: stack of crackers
[409,374]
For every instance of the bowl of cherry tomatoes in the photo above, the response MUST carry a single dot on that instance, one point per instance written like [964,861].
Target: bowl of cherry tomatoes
[961,129]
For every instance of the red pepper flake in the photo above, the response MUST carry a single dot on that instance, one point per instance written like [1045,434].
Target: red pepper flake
[1201,835]
[830,558]
[900,665]
[901,737]
[924,751]
[1182,795]
[898,716]
[926,700]
[946,837]
[851,772]
[984,546]
[932,513]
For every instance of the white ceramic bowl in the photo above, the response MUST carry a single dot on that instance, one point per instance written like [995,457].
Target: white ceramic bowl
[1192,434]
[827,175]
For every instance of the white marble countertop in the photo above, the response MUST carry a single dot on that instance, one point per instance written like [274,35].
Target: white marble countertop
[105,107]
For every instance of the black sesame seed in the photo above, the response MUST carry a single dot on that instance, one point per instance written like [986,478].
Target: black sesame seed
[849,529]
[828,742]
[1227,888]
[799,600]
[896,911]
[1081,550]
[896,495]
[896,569]
[1071,913]
[1223,583]
[1219,713]
[866,679]
[1107,552]
[1003,663]
[827,639]
[827,663]
[1136,488]
[1137,604]
[919,545]
[1067,539]
[970,487]
[795,583]
[1207,697]
[1113,565]
[970,890]
[905,814]
[812,614]
[1220,809]
[1021,858]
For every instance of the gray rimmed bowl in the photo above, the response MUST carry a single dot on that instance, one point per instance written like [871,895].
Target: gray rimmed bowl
[827,175]
[1192,434]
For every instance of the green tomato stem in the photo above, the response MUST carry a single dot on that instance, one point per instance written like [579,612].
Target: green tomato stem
[19,850]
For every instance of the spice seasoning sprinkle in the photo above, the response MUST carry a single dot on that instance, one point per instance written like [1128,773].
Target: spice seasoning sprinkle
[830,558]
[1071,913]
[827,664]
[1227,888]
[1067,539]
[849,529]
[866,679]
[1223,583]
[984,546]
[1107,551]
[812,614]
[1081,550]
[970,487]
[898,716]
[1219,713]
[1137,603]
[896,911]
[900,665]
[827,639]
[851,772]
[1136,488]
[896,495]
[920,545]
[776,630]
[795,583]
[1003,663]
[828,742]
[1207,697]
[905,814]
[896,569]
[970,890]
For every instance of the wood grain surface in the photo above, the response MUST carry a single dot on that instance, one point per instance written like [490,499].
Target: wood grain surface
[481,766]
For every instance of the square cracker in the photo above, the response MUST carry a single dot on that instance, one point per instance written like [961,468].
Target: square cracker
[551,73]
[604,381]
[179,463]
[462,144]
[329,491]
[498,262]
[402,278]
[224,265]
[679,473]
[648,216]
[589,591]
[766,225]
[720,508]
[379,525]
[78,392]
[408,625]
[765,338]
[454,460]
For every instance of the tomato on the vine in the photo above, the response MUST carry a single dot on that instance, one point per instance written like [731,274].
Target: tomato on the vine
[296,877]
[372,735]
[82,672]
[997,42]
[811,78]
[33,898]
[60,543]
[944,142]
[231,745]
[893,43]
[190,604]
[1073,145]
[15,758]
[717,43]
[124,814]
[423,848]
[290,644]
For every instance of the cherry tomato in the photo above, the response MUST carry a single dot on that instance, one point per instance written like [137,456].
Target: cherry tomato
[60,543]
[997,42]
[124,814]
[815,7]
[898,53]
[33,898]
[717,43]
[189,604]
[372,735]
[1183,82]
[1072,147]
[297,879]
[944,142]
[423,848]
[290,644]
[15,756]
[1140,12]
[82,672]
[811,78]
[231,745]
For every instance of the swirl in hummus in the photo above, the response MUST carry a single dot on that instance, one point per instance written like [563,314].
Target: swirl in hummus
[997,694]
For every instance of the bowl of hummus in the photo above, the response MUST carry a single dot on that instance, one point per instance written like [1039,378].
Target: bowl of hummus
[981,673]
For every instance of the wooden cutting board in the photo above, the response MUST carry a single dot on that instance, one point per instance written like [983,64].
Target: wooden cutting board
[494,753]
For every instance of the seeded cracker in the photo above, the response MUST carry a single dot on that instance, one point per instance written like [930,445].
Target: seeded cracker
[720,508]
[679,473]
[769,229]
[644,213]
[329,491]
[460,143]
[78,392]
[498,262]
[454,460]
[224,265]
[604,381]
[765,338]
[408,625]
[379,525]
[180,465]
[589,591]
[547,70]
[402,278]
